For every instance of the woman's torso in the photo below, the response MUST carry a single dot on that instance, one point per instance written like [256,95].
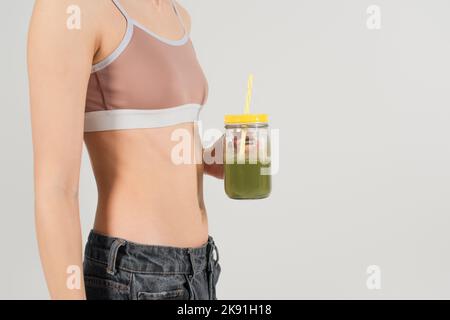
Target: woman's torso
[143,196]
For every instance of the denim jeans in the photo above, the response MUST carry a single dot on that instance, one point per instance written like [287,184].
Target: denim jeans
[117,269]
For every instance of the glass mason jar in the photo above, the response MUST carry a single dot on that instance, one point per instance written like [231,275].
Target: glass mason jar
[247,156]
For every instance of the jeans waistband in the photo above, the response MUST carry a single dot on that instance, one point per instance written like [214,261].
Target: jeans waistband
[116,253]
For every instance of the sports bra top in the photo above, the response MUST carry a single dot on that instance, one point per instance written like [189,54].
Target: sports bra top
[147,82]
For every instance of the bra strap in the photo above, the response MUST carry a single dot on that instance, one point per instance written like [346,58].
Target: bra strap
[121,9]
[179,16]
[127,17]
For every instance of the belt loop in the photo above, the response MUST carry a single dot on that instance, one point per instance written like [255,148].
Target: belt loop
[190,276]
[115,246]
[217,253]
[191,261]
[212,248]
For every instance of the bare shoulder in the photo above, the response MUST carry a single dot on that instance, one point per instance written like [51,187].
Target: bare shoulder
[184,15]
[61,7]
[59,15]
[67,26]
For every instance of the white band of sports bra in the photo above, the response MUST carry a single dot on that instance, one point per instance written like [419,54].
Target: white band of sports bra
[120,119]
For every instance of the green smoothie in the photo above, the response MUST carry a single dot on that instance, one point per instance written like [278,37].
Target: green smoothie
[245,181]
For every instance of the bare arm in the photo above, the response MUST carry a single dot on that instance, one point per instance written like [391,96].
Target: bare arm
[59,62]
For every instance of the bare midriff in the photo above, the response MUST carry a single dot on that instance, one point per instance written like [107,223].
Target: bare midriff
[143,196]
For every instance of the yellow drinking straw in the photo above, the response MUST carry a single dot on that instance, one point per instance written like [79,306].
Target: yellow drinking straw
[249,94]
[246,111]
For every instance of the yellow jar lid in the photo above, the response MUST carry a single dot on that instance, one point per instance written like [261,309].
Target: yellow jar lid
[246,118]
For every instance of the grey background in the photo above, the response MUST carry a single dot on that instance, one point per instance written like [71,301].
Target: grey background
[365,153]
